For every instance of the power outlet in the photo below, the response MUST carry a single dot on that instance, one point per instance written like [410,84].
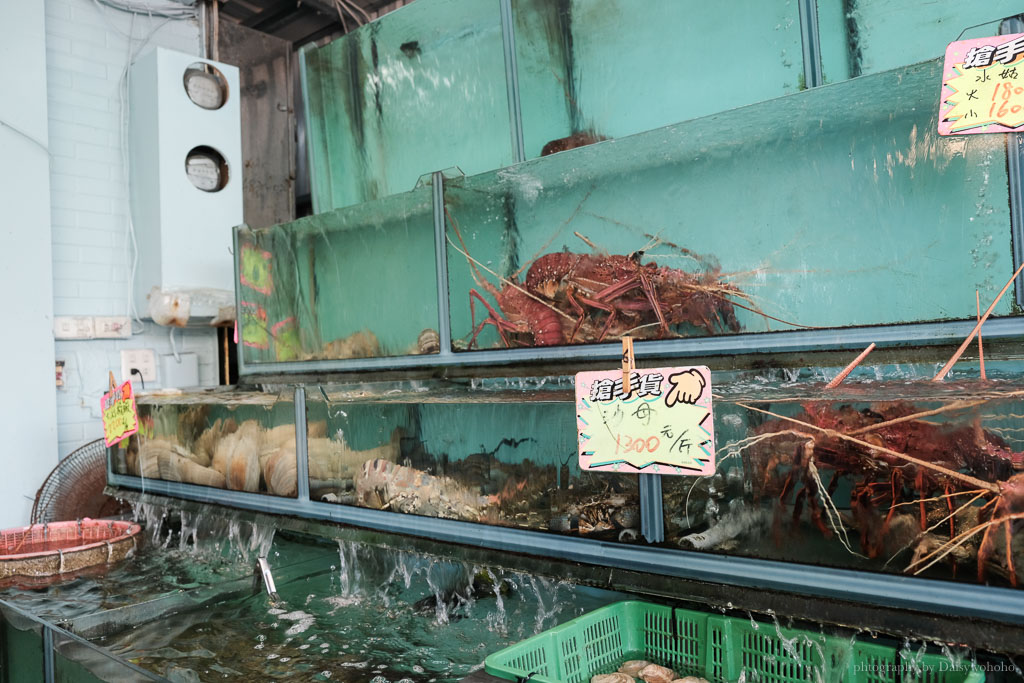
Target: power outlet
[73,327]
[112,327]
[143,360]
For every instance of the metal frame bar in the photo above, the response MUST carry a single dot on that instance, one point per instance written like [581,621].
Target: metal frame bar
[811,43]
[652,514]
[515,114]
[907,334]
[1015,176]
[928,595]
[49,665]
[301,446]
[444,318]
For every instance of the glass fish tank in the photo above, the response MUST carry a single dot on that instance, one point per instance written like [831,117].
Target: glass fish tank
[584,76]
[372,96]
[868,36]
[236,440]
[914,478]
[748,221]
[292,278]
[898,476]
[492,454]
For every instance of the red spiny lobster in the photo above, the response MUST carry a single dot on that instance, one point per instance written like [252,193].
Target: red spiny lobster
[889,447]
[645,294]
[563,292]
[533,321]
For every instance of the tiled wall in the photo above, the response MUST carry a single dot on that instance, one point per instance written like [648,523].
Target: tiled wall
[87,49]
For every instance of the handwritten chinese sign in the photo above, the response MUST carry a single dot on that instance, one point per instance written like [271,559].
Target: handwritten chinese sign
[120,416]
[983,86]
[664,427]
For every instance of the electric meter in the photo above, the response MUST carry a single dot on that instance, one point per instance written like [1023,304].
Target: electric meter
[205,86]
[206,169]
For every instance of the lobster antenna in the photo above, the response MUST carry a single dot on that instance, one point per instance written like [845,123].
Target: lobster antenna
[586,241]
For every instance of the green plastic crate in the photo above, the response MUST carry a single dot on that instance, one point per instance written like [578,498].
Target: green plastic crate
[719,648]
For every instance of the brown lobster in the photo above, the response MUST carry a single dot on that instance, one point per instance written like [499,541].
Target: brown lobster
[644,294]
[889,447]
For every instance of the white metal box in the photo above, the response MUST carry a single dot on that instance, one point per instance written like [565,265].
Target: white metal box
[183,232]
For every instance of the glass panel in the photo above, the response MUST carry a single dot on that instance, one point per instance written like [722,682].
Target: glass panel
[853,497]
[868,36]
[419,90]
[482,454]
[354,283]
[21,657]
[833,207]
[79,662]
[234,440]
[590,70]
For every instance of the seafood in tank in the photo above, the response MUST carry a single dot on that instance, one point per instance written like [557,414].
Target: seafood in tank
[219,439]
[577,298]
[895,477]
[472,457]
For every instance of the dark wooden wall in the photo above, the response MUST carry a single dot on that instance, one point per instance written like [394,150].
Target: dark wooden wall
[268,122]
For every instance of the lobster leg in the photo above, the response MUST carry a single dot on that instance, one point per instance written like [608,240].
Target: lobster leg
[579,311]
[1008,531]
[608,308]
[495,319]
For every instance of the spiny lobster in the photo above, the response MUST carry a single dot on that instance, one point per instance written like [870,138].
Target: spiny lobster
[889,448]
[563,291]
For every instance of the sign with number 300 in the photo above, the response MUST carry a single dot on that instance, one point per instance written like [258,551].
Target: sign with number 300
[665,426]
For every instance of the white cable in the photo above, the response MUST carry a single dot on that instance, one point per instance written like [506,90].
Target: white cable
[174,347]
[160,8]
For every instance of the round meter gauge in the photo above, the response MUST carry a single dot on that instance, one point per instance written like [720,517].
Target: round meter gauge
[206,169]
[205,86]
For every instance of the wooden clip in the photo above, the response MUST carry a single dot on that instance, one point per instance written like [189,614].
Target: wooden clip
[628,364]
[113,383]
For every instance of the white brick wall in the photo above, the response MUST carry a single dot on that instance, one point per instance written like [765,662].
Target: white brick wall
[87,49]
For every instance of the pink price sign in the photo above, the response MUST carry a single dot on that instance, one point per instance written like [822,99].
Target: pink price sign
[664,426]
[983,86]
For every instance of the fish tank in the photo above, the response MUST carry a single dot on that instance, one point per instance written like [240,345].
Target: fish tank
[418,90]
[905,477]
[868,36]
[489,454]
[290,280]
[891,474]
[225,439]
[687,231]
[748,221]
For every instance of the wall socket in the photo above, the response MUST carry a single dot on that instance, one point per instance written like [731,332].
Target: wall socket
[112,327]
[144,360]
[73,327]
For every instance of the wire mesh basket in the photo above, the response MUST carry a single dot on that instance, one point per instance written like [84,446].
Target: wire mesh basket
[74,489]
